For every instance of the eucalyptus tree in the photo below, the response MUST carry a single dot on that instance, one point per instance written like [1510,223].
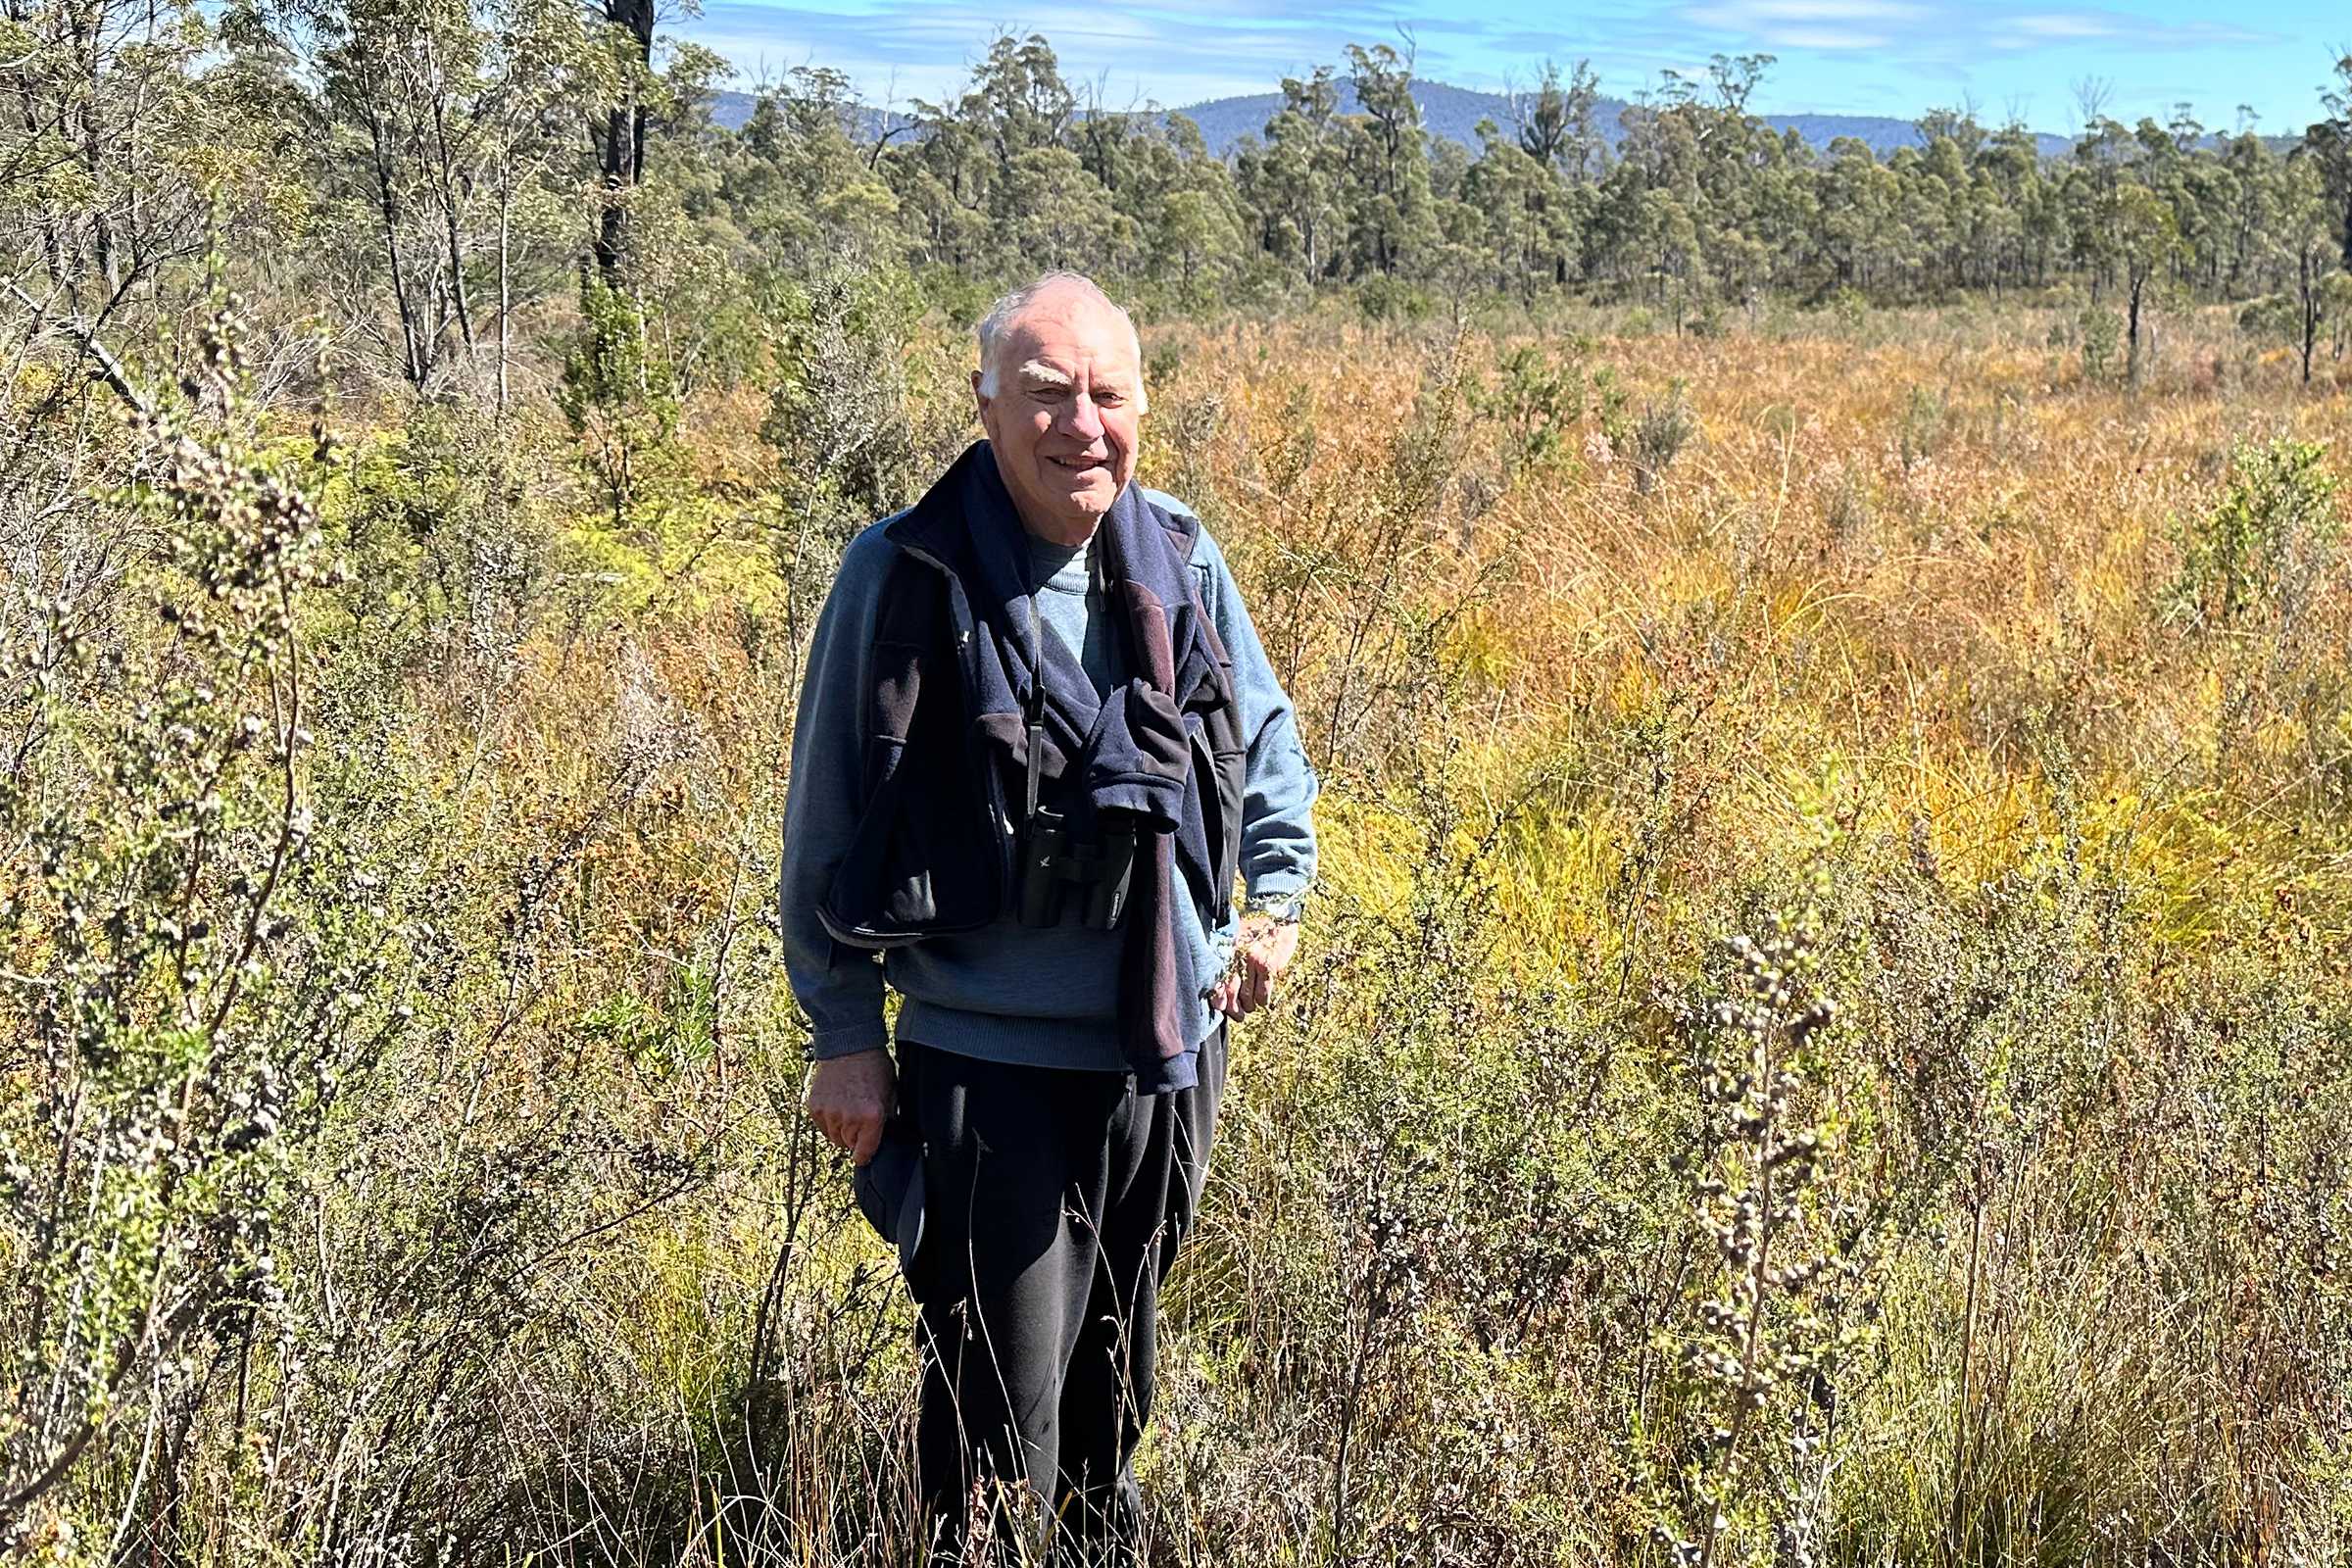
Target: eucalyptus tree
[1585,152]
[2251,196]
[1018,101]
[2146,232]
[2330,142]
[1555,124]
[1187,207]
[1293,183]
[453,150]
[987,173]
[111,108]
[1061,216]
[941,177]
[620,132]
[1527,220]
[1937,185]
[1105,141]
[1539,118]
[1645,200]
[1392,220]
[947,172]
[1860,198]
[801,177]
[2308,234]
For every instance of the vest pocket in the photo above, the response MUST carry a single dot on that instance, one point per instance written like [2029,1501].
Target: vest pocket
[927,856]
[884,885]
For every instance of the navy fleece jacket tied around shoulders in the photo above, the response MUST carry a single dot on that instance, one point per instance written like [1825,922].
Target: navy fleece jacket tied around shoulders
[1043,997]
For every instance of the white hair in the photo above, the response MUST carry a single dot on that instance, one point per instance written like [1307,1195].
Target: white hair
[1001,317]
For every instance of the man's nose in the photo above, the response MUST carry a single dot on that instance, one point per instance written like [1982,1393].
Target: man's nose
[1085,421]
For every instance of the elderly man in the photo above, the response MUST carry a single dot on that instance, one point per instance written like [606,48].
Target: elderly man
[1037,744]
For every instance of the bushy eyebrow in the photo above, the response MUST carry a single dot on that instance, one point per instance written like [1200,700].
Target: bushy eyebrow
[1037,372]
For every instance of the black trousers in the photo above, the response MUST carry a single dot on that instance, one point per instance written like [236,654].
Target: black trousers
[1055,1201]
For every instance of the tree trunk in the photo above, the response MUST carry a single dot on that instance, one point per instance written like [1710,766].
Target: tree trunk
[625,139]
[449,215]
[2139,282]
[2309,286]
[505,292]
[412,347]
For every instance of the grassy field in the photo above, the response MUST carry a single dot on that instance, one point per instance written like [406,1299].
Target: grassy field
[1825,1035]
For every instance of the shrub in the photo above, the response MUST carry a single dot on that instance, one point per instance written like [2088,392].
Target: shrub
[839,415]
[1926,419]
[1851,309]
[2268,544]
[622,406]
[1845,506]
[1537,401]
[2102,334]
[1384,299]
[1758,1365]
[193,967]
[1665,427]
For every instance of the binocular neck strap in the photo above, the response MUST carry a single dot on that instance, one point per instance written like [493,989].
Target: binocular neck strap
[1035,706]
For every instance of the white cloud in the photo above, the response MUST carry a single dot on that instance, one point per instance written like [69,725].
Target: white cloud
[1809,23]
[2061,27]
[2067,25]
[1771,11]
[1941,31]
[1827,38]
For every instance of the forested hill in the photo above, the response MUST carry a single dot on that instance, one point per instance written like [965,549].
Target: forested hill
[1452,114]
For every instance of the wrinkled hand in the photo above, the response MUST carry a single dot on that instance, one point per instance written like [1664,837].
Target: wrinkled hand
[849,1098]
[1262,953]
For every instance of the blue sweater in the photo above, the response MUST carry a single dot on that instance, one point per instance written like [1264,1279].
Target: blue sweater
[1008,992]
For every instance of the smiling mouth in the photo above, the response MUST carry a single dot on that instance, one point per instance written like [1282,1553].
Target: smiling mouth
[1077,464]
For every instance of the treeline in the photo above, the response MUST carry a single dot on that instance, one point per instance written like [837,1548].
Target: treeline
[427,173]
[1698,204]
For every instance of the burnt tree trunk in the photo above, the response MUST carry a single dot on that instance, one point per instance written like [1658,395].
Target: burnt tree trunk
[624,138]
[2307,280]
[2139,282]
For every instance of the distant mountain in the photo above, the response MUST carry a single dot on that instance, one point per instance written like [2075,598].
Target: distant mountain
[732,111]
[1452,113]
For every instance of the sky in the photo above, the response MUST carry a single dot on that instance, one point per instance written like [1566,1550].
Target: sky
[2010,58]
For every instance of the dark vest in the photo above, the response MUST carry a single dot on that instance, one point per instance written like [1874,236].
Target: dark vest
[957,670]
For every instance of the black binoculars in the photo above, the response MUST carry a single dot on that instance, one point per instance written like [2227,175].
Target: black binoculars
[1052,863]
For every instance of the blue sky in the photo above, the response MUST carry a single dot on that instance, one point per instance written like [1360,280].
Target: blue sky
[1881,57]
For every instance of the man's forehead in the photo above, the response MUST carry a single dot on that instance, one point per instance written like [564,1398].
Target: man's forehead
[1069,333]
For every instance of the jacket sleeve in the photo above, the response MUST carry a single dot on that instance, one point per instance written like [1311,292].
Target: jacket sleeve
[839,987]
[1278,830]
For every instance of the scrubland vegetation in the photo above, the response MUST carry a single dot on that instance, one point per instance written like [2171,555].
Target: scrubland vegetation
[434,1187]
[1825,1035]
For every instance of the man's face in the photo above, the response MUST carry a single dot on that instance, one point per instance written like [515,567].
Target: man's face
[1063,417]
